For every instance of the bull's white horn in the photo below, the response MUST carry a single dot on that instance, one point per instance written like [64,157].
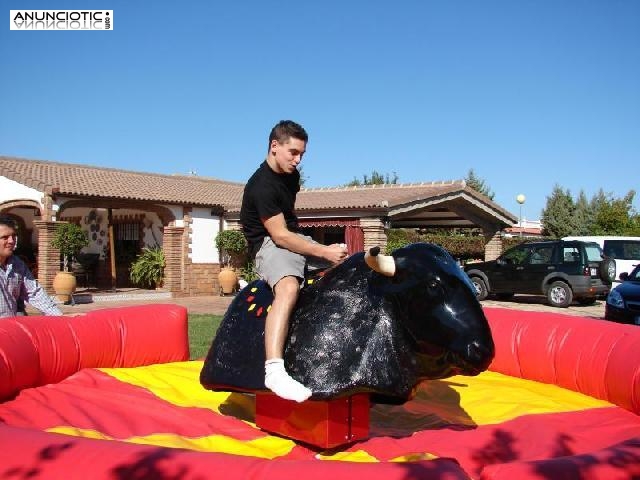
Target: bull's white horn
[384,264]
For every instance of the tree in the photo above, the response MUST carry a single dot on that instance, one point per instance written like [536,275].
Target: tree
[69,239]
[583,216]
[232,245]
[478,184]
[375,179]
[558,215]
[634,229]
[604,214]
[614,216]
[598,201]
[303,177]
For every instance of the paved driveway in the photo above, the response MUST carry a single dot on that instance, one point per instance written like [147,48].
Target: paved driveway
[209,304]
[216,305]
[539,304]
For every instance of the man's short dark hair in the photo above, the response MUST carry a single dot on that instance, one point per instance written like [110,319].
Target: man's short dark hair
[285,129]
[8,221]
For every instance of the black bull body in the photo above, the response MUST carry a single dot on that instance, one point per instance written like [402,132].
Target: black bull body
[357,330]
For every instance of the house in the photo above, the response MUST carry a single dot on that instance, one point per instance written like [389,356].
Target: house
[525,228]
[123,211]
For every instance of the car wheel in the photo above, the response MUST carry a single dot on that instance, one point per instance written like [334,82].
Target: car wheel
[480,287]
[560,295]
[608,270]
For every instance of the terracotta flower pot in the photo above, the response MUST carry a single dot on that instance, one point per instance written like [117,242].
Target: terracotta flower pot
[228,280]
[64,284]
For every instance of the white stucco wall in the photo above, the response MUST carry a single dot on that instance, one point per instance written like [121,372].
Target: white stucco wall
[152,230]
[203,233]
[178,214]
[97,226]
[10,190]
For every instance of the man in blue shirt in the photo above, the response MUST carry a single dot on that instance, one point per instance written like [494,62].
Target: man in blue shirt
[16,281]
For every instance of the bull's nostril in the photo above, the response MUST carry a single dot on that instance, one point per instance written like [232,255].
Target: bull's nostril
[477,352]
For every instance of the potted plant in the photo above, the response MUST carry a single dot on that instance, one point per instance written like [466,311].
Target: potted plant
[233,247]
[247,274]
[148,268]
[69,239]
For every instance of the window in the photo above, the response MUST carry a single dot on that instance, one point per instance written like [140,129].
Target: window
[515,256]
[622,249]
[594,254]
[541,255]
[570,255]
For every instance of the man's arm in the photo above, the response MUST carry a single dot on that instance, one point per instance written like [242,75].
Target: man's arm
[285,238]
[33,293]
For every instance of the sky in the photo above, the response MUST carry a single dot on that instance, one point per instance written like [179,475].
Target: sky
[528,93]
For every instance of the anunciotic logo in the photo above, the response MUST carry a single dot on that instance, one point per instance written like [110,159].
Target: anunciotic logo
[61,20]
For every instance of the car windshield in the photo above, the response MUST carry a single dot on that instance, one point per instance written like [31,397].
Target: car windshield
[594,253]
[635,275]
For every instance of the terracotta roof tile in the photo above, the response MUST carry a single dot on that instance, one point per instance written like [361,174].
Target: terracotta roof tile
[372,196]
[391,196]
[82,180]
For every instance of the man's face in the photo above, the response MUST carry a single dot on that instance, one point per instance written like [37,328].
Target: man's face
[7,242]
[287,155]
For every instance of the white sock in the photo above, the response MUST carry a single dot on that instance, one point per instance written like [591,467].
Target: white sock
[279,382]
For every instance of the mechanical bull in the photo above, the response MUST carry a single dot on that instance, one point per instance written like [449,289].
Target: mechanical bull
[374,324]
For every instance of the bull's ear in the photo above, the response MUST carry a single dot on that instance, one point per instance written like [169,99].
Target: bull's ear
[384,264]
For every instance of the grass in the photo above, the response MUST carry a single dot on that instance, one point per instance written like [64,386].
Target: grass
[202,329]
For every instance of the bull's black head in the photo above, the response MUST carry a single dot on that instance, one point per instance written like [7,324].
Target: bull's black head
[437,305]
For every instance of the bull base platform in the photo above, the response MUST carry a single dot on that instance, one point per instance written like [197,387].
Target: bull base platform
[320,423]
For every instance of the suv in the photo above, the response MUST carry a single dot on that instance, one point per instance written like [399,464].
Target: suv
[624,250]
[561,270]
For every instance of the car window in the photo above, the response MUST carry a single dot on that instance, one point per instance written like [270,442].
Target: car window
[570,254]
[635,275]
[594,253]
[541,254]
[515,256]
[622,249]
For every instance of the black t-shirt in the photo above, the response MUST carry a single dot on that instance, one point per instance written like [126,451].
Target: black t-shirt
[266,194]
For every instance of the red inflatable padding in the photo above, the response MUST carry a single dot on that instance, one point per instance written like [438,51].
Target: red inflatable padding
[25,453]
[584,355]
[37,351]
[618,462]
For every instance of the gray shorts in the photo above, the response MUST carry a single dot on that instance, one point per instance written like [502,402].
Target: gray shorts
[274,263]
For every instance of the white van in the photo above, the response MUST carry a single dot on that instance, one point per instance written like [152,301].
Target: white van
[624,250]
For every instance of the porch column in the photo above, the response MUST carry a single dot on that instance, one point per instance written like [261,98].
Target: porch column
[373,230]
[48,256]
[493,247]
[174,254]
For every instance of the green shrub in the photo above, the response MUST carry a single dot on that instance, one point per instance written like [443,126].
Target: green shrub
[399,237]
[248,272]
[462,247]
[232,245]
[69,239]
[148,268]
